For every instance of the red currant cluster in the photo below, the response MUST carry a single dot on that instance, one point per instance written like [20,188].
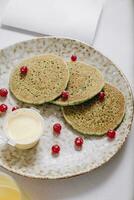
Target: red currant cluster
[4,107]
[4,92]
[78,142]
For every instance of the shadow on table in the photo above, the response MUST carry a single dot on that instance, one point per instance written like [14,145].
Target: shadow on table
[6,27]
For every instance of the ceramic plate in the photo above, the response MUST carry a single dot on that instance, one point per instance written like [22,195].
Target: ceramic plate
[38,162]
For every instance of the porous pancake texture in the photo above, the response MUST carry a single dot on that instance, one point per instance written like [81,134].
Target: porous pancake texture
[46,78]
[95,117]
[84,83]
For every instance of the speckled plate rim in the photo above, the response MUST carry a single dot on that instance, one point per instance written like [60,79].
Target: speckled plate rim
[130,125]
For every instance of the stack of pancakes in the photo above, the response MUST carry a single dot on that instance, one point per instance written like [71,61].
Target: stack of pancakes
[49,75]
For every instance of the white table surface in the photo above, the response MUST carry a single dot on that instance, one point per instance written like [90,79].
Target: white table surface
[115,39]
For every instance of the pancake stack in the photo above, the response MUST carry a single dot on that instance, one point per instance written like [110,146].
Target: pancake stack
[49,75]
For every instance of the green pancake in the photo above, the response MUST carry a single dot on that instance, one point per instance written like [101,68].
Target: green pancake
[95,117]
[84,83]
[46,78]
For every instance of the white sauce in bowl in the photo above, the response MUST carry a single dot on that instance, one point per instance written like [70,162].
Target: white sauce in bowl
[23,128]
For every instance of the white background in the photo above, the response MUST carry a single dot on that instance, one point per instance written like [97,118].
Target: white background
[115,180]
[55,17]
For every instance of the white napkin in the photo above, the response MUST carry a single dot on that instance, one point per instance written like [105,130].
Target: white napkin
[70,18]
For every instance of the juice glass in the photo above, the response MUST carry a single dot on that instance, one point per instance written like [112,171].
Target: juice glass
[9,190]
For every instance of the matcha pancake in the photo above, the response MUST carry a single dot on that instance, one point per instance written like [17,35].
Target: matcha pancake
[47,76]
[96,117]
[84,83]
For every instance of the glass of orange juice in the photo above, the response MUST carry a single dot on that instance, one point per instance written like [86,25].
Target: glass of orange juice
[9,190]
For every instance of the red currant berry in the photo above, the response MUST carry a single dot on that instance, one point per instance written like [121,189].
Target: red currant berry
[24,70]
[3,92]
[15,108]
[79,141]
[101,96]
[111,134]
[73,58]
[64,95]
[3,108]
[55,149]
[57,128]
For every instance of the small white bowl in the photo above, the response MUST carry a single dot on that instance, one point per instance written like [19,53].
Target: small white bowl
[23,128]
